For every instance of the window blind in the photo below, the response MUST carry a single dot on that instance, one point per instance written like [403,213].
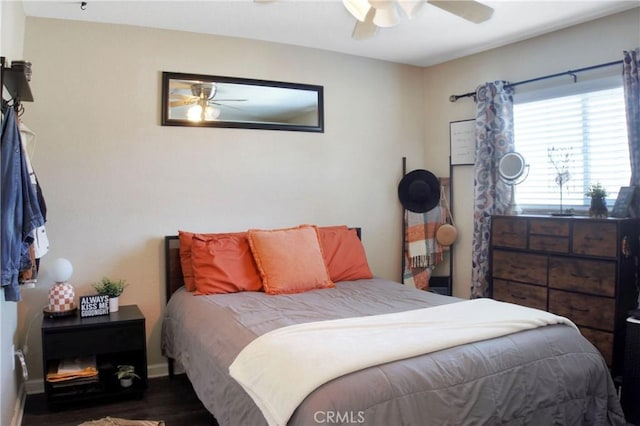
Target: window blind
[585,133]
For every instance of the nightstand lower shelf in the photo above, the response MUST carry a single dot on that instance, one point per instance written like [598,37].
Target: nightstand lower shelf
[107,341]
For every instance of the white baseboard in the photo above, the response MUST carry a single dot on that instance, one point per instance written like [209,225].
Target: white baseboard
[158,370]
[18,408]
[34,386]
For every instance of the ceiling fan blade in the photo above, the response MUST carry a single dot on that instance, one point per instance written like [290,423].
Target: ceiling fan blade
[181,84]
[386,13]
[470,10]
[225,106]
[367,28]
[183,102]
[181,95]
[228,100]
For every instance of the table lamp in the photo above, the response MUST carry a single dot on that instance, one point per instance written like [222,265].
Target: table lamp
[61,294]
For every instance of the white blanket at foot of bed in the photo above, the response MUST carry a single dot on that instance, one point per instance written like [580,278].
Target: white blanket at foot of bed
[280,368]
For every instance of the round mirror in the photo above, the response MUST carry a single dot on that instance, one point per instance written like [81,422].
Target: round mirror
[511,166]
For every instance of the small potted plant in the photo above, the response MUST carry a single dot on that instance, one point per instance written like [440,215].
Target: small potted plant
[126,374]
[598,196]
[111,288]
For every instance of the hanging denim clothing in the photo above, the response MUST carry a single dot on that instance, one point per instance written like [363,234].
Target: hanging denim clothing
[20,214]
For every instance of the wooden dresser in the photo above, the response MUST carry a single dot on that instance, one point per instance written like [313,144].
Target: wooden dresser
[581,268]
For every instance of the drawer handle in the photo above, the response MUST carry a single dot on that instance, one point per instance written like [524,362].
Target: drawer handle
[573,308]
[576,275]
[519,267]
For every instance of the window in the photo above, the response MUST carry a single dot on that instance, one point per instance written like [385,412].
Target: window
[583,128]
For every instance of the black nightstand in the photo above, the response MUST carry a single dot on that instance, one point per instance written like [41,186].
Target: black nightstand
[114,339]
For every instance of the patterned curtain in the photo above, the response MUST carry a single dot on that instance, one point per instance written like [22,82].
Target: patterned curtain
[494,138]
[632,100]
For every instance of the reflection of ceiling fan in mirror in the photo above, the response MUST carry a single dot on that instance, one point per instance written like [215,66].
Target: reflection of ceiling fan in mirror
[374,14]
[513,170]
[202,99]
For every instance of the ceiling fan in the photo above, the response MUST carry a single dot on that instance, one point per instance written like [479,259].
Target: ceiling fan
[201,99]
[374,14]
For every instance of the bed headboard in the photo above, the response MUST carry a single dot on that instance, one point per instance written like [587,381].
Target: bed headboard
[173,268]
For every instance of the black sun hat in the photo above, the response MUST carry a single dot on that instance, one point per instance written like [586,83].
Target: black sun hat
[419,191]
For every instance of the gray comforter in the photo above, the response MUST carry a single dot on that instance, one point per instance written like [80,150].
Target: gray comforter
[545,376]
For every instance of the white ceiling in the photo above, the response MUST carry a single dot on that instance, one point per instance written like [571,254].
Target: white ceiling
[432,37]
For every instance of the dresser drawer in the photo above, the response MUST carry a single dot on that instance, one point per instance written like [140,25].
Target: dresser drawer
[595,239]
[509,232]
[523,267]
[601,340]
[597,277]
[558,228]
[549,243]
[532,296]
[582,309]
[69,342]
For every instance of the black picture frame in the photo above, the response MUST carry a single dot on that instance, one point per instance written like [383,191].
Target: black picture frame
[241,103]
[623,206]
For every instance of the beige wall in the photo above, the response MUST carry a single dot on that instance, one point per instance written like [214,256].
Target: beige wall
[597,42]
[12,22]
[116,181]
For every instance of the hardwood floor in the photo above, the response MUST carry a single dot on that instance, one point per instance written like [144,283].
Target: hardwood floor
[171,400]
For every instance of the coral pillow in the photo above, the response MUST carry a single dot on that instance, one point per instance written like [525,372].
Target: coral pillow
[185,238]
[289,260]
[344,254]
[223,263]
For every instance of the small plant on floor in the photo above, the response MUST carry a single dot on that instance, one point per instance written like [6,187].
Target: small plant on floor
[126,374]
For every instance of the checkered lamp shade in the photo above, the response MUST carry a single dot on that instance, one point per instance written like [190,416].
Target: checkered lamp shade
[61,297]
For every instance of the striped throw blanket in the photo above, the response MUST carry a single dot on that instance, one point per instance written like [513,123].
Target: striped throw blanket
[422,252]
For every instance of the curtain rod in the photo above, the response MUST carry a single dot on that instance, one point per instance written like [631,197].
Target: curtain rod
[572,73]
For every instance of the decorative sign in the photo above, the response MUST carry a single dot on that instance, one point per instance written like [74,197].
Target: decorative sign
[91,306]
[463,142]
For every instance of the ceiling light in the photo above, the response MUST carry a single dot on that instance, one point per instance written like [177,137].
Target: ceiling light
[211,113]
[195,113]
[358,8]
[386,13]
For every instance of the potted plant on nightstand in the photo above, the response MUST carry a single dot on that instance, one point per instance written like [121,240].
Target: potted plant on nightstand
[598,196]
[111,288]
[126,374]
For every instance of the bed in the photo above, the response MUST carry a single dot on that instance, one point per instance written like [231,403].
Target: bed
[541,376]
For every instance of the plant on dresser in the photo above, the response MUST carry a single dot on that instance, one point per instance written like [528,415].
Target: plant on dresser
[578,267]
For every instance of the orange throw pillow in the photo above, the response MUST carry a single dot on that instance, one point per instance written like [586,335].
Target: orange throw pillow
[223,263]
[289,260]
[344,254]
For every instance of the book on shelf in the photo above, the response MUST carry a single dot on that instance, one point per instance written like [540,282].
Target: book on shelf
[73,369]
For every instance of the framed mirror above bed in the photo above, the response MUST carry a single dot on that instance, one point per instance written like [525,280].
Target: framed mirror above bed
[217,101]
